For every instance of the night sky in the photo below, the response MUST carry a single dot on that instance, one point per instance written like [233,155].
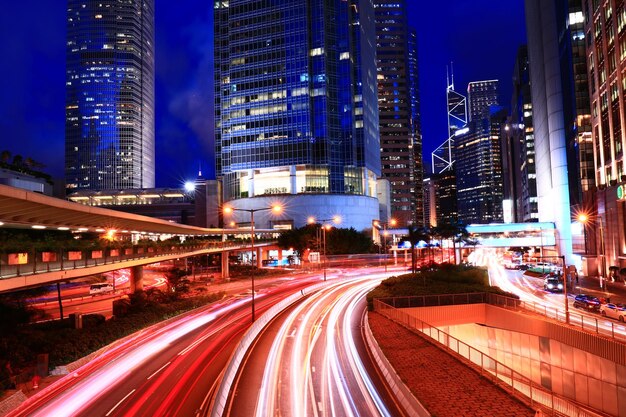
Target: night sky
[481,37]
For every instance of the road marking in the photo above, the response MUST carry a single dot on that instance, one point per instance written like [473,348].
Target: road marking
[159,370]
[121,401]
[293,333]
[319,406]
[312,368]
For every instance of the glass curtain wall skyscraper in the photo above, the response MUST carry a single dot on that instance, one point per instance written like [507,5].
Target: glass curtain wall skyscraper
[109,123]
[296,111]
[398,105]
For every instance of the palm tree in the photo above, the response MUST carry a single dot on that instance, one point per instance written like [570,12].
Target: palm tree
[416,235]
[452,231]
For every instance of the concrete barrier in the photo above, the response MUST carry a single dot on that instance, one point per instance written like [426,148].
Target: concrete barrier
[221,398]
[406,398]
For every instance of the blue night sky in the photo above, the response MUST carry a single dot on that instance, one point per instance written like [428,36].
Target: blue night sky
[481,37]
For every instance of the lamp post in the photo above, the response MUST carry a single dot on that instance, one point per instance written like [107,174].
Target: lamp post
[324,227]
[228,210]
[391,222]
[584,219]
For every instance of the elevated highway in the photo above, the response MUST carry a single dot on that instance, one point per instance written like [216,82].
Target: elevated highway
[29,268]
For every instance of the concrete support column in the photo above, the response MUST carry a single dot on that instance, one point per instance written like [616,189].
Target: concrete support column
[259,257]
[225,270]
[280,255]
[136,279]
[292,179]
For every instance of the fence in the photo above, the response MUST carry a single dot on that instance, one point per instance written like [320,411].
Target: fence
[35,262]
[601,326]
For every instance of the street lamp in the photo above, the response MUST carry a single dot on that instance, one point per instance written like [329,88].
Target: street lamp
[229,210]
[324,227]
[391,222]
[584,219]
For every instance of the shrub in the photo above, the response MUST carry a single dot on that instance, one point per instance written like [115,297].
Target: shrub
[441,279]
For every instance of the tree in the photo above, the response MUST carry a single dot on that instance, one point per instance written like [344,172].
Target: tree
[341,241]
[5,156]
[177,282]
[298,239]
[471,242]
[18,161]
[455,232]
[415,236]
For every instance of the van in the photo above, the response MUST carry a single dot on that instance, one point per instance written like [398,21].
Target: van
[100,288]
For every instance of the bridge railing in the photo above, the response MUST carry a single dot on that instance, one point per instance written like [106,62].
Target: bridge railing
[599,325]
[510,380]
[30,262]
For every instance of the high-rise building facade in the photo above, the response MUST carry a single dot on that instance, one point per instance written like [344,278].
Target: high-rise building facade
[605,35]
[521,129]
[559,113]
[398,106]
[479,170]
[109,112]
[296,110]
[481,95]
[444,176]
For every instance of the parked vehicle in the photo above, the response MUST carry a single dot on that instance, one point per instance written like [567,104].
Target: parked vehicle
[587,302]
[553,284]
[614,311]
[100,288]
[523,267]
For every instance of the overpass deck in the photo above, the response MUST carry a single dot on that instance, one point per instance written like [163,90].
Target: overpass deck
[14,277]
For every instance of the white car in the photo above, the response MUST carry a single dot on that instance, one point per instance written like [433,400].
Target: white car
[614,311]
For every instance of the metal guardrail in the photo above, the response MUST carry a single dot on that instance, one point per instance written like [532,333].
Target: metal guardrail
[512,381]
[137,253]
[601,326]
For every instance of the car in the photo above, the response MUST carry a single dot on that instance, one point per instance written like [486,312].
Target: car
[614,311]
[101,288]
[545,267]
[587,302]
[523,267]
[553,284]
[511,265]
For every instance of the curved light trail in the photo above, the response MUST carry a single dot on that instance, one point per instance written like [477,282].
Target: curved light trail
[313,366]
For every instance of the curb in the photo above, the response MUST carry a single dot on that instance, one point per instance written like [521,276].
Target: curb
[408,401]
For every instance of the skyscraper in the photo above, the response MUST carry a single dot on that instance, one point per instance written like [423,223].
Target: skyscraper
[296,110]
[481,95]
[558,99]
[478,161]
[109,112]
[521,128]
[444,175]
[398,106]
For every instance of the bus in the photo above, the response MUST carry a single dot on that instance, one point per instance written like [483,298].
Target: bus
[102,288]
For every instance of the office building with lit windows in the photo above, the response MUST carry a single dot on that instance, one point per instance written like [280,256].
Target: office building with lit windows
[481,95]
[296,110]
[561,119]
[479,169]
[518,148]
[605,36]
[398,107]
[109,112]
